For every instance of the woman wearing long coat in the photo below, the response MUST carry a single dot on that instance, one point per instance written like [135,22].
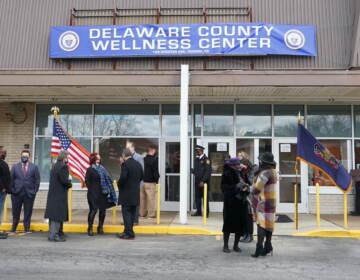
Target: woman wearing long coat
[57,199]
[264,203]
[235,210]
[101,194]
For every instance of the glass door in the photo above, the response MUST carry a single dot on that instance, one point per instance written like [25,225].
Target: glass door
[170,174]
[217,150]
[285,154]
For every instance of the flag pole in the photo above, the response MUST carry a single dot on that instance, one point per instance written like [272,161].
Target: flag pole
[296,200]
[345,211]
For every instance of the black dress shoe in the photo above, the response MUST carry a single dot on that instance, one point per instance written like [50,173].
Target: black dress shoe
[237,249]
[57,239]
[226,249]
[100,230]
[62,234]
[27,230]
[126,237]
[196,214]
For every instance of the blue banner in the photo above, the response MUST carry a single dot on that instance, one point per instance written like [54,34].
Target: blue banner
[315,154]
[247,39]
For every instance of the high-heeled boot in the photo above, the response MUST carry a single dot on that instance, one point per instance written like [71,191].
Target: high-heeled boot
[268,249]
[91,218]
[102,214]
[260,241]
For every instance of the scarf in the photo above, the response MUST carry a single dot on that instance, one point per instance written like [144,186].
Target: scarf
[107,186]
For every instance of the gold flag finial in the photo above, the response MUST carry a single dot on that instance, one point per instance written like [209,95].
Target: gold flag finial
[299,118]
[55,110]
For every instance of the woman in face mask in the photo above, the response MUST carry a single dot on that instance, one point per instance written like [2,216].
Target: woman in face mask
[234,211]
[101,193]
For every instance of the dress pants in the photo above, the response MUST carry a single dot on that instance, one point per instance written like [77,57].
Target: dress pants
[54,229]
[18,200]
[199,195]
[357,198]
[2,202]
[148,200]
[128,212]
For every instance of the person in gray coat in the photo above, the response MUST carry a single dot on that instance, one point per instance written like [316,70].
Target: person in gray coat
[57,199]
[25,182]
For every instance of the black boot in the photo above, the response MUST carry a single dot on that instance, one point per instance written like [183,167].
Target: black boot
[260,242]
[268,249]
[102,214]
[90,230]
[91,218]
[236,243]
[226,242]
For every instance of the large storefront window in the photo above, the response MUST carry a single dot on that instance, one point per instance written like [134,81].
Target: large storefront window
[197,120]
[285,119]
[127,120]
[356,121]
[253,120]
[170,120]
[248,146]
[339,149]
[329,120]
[218,120]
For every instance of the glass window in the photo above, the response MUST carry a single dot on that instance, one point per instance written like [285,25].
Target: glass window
[76,119]
[357,121]
[329,120]
[285,119]
[265,145]
[172,171]
[357,154]
[218,120]
[253,120]
[197,120]
[339,149]
[127,120]
[110,150]
[43,159]
[171,120]
[245,146]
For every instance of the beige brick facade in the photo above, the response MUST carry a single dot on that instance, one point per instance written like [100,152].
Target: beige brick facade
[331,203]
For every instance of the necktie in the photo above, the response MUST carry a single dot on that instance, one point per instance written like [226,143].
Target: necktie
[24,169]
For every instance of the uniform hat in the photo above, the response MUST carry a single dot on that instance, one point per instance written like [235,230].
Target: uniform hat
[267,158]
[198,147]
[233,161]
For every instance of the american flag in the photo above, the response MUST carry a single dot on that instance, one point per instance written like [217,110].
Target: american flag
[77,155]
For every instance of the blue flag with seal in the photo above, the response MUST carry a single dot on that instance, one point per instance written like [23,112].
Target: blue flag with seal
[317,155]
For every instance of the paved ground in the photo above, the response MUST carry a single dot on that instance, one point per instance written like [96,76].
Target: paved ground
[160,257]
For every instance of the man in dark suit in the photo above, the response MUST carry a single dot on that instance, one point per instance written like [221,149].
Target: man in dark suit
[202,174]
[4,185]
[25,182]
[129,192]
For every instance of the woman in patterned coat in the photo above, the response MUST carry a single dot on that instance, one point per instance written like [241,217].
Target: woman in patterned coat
[264,203]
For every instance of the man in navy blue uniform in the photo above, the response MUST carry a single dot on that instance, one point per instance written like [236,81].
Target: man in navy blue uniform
[202,173]
[25,182]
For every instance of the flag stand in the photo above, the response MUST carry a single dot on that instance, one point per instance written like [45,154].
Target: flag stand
[317,205]
[296,203]
[345,211]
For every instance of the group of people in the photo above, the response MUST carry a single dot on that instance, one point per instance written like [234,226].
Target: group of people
[249,191]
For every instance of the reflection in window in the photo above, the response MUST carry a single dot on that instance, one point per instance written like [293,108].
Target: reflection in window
[253,120]
[197,120]
[127,120]
[171,120]
[245,146]
[285,119]
[357,121]
[218,120]
[110,150]
[329,120]
[75,119]
[43,159]
[339,149]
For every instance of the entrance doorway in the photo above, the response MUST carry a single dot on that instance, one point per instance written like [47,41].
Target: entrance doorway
[285,156]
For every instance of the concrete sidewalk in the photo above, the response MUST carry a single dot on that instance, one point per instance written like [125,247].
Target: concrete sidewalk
[170,224]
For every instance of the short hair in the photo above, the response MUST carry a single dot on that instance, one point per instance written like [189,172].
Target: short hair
[25,151]
[152,147]
[92,158]
[2,150]
[126,153]
[130,142]
[62,155]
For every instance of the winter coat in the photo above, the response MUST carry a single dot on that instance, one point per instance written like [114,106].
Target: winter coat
[5,179]
[129,183]
[151,169]
[95,196]
[235,211]
[57,199]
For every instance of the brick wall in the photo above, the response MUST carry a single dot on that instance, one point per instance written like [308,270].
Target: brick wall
[331,203]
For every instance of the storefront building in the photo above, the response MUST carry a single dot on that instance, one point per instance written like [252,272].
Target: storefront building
[236,103]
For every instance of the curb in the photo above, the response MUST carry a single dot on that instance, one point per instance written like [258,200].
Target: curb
[80,228]
[331,233]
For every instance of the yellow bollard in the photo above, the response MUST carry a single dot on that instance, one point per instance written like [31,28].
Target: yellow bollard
[5,208]
[345,211]
[296,206]
[317,205]
[158,204]
[113,219]
[205,204]
[70,205]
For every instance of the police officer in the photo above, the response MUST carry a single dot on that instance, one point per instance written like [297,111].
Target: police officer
[202,173]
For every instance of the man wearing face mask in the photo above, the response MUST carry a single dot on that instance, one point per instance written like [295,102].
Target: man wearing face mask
[25,182]
[4,185]
[202,174]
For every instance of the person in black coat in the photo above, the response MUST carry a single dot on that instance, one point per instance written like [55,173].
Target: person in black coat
[57,199]
[129,192]
[234,211]
[5,181]
[97,200]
